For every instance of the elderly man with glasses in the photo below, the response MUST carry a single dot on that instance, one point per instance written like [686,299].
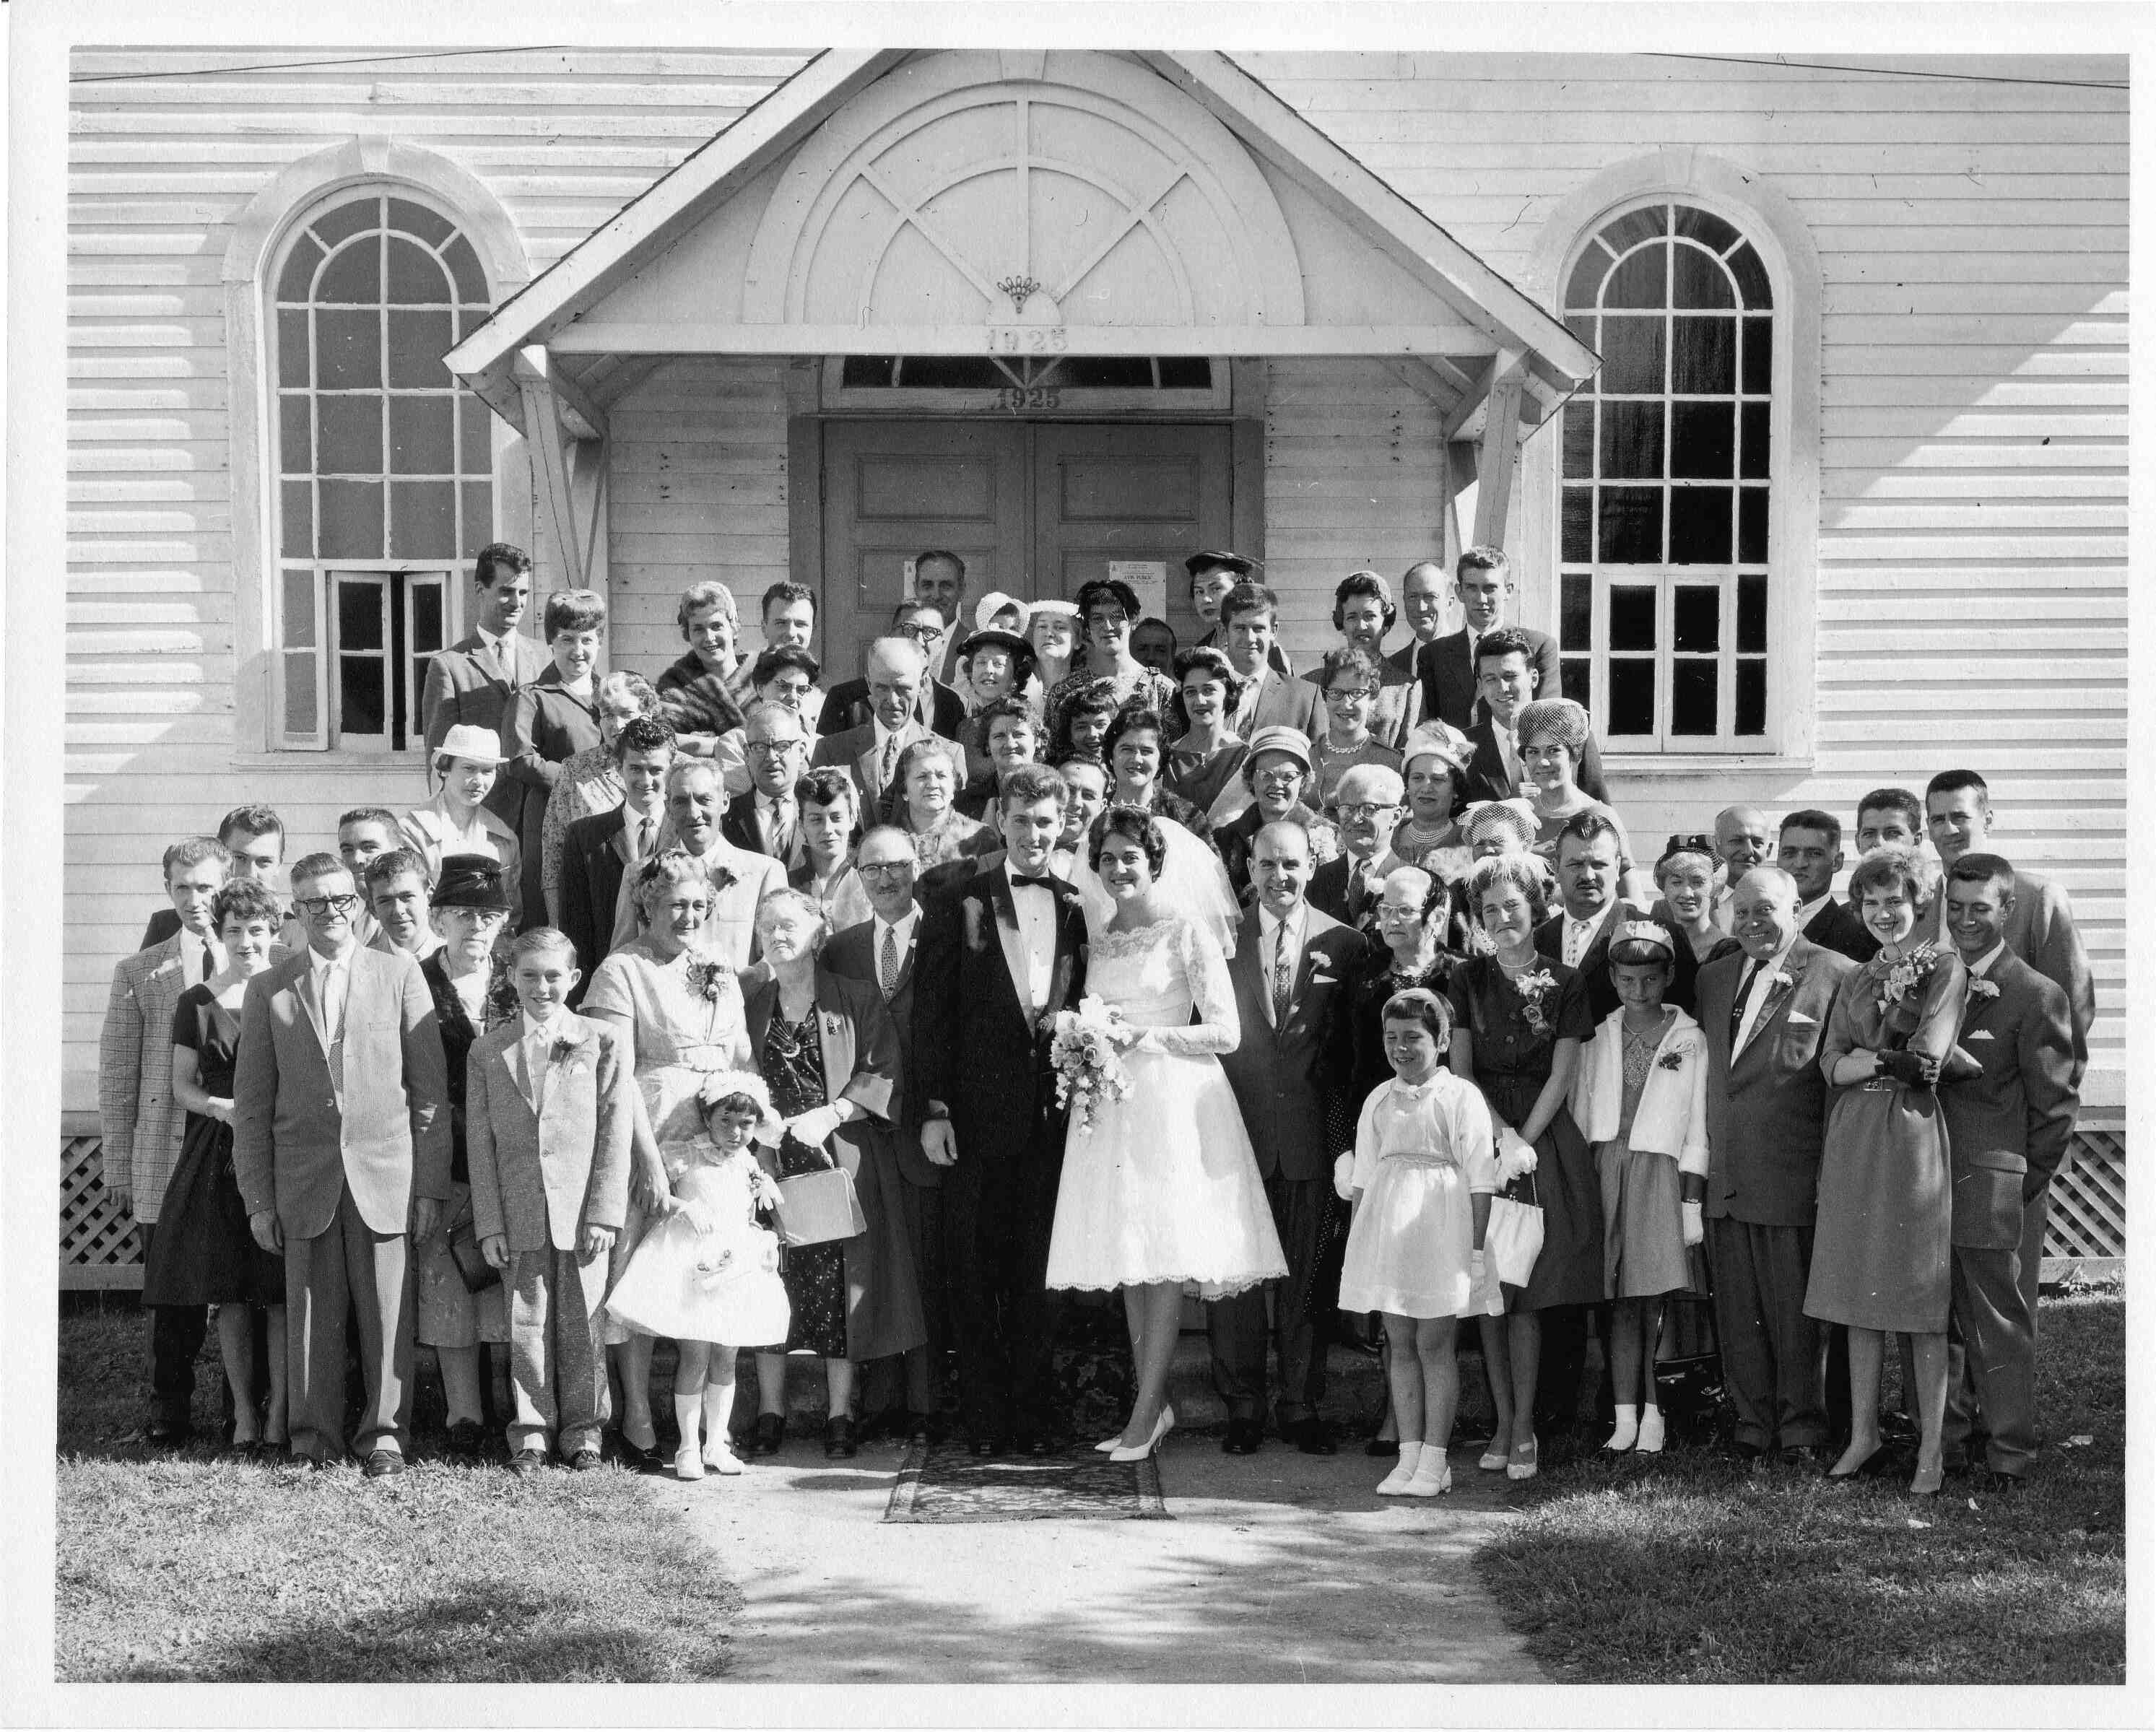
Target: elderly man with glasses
[768,822]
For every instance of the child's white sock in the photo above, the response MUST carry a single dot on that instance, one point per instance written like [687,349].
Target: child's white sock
[1628,1427]
[1396,1482]
[688,1459]
[718,1448]
[1651,1431]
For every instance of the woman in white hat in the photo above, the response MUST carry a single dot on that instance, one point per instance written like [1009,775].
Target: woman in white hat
[1052,628]
[454,822]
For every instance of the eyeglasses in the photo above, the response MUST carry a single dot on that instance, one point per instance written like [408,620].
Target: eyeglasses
[887,869]
[921,631]
[314,907]
[1365,809]
[1342,694]
[773,748]
[1107,616]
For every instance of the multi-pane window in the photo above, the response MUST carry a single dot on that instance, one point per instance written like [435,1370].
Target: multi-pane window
[385,466]
[1667,475]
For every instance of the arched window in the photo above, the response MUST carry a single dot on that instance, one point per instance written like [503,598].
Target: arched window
[1667,484]
[384,466]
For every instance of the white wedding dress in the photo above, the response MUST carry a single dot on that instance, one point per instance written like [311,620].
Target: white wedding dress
[1163,1185]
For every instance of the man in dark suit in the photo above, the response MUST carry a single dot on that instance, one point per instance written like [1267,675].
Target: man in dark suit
[1810,850]
[1448,666]
[1249,617]
[476,679]
[880,952]
[2009,1099]
[1290,967]
[2041,931]
[598,851]
[938,707]
[1370,799]
[768,821]
[1589,862]
[993,975]
[1509,680]
[1422,601]
[340,1144]
[871,751]
[254,835]
[1764,1013]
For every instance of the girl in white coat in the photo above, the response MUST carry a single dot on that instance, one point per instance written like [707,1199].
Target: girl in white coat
[1640,1100]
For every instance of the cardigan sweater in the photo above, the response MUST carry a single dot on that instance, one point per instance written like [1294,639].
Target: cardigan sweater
[1672,1116]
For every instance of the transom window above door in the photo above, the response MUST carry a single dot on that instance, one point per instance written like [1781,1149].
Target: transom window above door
[1141,385]
[1668,474]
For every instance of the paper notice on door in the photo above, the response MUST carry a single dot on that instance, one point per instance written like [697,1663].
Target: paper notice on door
[1149,578]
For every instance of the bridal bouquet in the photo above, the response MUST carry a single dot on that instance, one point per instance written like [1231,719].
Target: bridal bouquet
[1088,1061]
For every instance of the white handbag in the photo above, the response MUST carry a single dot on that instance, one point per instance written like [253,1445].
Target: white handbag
[1513,1239]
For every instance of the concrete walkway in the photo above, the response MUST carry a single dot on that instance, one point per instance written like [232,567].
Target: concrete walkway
[1277,1567]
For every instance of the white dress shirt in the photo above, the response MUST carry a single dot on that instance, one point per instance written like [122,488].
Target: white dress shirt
[199,957]
[332,979]
[1580,936]
[1279,940]
[1760,991]
[1723,912]
[1035,910]
[1981,968]
[632,822]
[538,1037]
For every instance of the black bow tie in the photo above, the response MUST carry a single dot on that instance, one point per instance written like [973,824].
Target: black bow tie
[1043,882]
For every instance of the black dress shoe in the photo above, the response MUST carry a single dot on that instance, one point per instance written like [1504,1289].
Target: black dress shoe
[917,1428]
[528,1461]
[1805,1458]
[1243,1439]
[584,1460]
[1310,1437]
[985,1444]
[769,1436]
[467,1440]
[1384,1449]
[162,1434]
[384,1464]
[839,1443]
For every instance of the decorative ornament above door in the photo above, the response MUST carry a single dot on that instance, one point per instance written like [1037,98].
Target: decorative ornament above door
[1093,193]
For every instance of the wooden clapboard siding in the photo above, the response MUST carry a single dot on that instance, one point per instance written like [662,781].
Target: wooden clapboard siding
[158,167]
[1972,240]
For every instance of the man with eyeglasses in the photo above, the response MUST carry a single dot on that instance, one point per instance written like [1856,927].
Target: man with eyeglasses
[1369,803]
[892,699]
[1447,666]
[1278,773]
[769,822]
[340,1144]
[938,707]
[879,952]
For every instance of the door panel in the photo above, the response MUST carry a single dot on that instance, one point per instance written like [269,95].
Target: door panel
[892,490]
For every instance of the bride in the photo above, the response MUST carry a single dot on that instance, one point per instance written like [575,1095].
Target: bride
[1160,1187]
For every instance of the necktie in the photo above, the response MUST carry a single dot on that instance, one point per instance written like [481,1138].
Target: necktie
[1743,997]
[889,761]
[642,838]
[333,1022]
[1283,975]
[887,968]
[777,828]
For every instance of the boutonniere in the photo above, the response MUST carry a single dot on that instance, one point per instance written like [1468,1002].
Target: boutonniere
[1533,987]
[565,1048]
[1670,1061]
[1781,981]
[721,879]
[1980,988]
[705,976]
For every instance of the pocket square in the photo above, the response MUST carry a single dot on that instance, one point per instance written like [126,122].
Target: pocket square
[1798,1016]
[1978,1034]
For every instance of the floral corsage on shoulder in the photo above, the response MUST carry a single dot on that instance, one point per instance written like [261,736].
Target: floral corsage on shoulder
[1904,978]
[708,976]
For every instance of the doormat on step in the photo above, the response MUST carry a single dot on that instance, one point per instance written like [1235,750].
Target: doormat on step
[943,1483]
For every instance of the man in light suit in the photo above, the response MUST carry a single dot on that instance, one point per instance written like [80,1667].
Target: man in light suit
[476,679]
[141,1124]
[768,822]
[880,952]
[2008,1100]
[598,852]
[1290,970]
[549,1109]
[871,751]
[1764,1013]
[1449,667]
[695,809]
[340,1143]
[1249,619]
[1509,680]
[2041,931]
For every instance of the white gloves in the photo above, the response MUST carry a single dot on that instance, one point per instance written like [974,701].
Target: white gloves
[1695,1223]
[815,1126]
[1514,1157]
[1343,1174]
[1476,1268]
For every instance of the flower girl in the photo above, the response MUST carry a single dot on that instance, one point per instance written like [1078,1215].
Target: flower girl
[707,1275]
[1421,1176]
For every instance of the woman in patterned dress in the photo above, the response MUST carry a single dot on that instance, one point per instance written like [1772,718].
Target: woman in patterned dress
[590,781]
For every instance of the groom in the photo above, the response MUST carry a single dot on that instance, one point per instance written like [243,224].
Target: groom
[999,954]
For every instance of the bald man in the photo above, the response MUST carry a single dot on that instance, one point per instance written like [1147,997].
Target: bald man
[897,668]
[1741,843]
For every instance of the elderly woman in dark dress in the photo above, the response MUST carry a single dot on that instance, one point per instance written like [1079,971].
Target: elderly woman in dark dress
[203,1253]
[1519,1020]
[827,1049]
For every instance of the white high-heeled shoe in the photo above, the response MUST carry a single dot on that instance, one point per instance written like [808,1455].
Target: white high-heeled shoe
[1108,1445]
[1139,1452]
[1430,1482]
[1403,1471]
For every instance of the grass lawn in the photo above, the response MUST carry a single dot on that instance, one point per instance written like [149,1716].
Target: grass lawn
[185,1567]
[1693,1568]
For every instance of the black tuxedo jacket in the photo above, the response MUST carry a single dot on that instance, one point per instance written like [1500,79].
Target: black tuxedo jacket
[1486,780]
[594,855]
[1594,966]
[1282,1076]
[1836,928]
[847,706]
[851,956]
[1448,679]
[976,1047]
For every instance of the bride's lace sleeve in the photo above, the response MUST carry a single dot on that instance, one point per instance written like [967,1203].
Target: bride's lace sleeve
[1218,1029]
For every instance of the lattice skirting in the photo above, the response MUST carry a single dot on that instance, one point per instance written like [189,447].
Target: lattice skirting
[99,1248]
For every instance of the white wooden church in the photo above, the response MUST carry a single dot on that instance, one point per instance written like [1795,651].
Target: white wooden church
[1797,394]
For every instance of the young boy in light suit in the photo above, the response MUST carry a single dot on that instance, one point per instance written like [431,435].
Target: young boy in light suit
[549,1108]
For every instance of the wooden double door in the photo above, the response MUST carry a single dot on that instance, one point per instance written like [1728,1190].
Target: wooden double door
[1034,510]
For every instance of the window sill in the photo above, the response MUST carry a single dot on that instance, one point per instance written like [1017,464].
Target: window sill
[1634,765]
[332,762]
